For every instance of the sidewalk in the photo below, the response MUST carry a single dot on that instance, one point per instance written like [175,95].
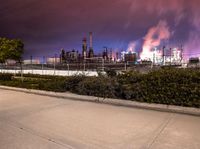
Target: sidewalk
[115,102]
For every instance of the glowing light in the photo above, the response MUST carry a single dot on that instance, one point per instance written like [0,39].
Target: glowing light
[154,38]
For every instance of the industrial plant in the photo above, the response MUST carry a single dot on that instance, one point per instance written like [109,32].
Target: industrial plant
[87,59]
[160,57]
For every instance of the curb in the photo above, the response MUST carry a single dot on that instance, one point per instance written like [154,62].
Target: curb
[115,102]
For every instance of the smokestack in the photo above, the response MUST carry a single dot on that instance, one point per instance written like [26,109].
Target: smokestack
[91,38]
[91,51]
[84,48]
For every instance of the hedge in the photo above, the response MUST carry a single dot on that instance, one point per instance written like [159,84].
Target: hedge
[98,86]
[165,86]
[5,77]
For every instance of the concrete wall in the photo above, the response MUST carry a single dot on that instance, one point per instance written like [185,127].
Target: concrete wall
[52,72]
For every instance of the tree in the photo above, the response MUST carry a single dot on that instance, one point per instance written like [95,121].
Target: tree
[11,49]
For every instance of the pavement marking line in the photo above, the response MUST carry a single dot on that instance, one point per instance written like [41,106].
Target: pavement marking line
[26,130]
[163,126]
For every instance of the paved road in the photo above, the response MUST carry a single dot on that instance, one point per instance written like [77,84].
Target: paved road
[36,122]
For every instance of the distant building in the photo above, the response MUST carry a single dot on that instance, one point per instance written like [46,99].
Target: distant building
[194,60]
[69,56]
[33,61]
[105,53]
[10,62]
[53,60]
[130,57]
[72,56]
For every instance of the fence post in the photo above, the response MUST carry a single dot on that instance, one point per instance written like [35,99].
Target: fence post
[68,68]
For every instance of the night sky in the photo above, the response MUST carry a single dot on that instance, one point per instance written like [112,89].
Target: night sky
[46,26]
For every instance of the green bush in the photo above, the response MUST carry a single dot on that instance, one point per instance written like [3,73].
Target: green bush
[5,77]
[111,73]
[52,85]
[97,86]
[73,81]
[165,86]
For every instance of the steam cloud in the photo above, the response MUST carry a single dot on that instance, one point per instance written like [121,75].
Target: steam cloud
[182,13]
[131,47]
[154,37]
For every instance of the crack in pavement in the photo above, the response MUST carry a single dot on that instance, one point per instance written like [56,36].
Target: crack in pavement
[163,126]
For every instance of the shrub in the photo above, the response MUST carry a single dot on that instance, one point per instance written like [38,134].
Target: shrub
[111,73]
[98,86]
[5,77]
[53,85]
[71,83]
[165,86]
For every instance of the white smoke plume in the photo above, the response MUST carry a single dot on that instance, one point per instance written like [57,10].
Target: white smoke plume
[153,39]
[184,20]
[132,47]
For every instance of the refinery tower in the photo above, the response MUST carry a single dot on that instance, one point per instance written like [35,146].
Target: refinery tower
[85,53]
[84,48]
[91,51]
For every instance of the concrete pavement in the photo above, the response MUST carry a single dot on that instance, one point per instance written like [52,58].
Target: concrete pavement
[115,102]
[30,121]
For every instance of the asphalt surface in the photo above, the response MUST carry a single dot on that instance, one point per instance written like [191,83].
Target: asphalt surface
[30,121]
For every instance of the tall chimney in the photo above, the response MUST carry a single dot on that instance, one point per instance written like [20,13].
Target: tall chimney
[91,51]
[84,48]
[91,38]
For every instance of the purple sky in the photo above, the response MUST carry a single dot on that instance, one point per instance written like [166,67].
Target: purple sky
[46,26]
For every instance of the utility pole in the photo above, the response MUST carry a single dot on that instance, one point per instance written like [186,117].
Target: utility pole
[163,55]
[22,79]
[68,68]
[170,56]
[31,63]
[43,64]
[54,64]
